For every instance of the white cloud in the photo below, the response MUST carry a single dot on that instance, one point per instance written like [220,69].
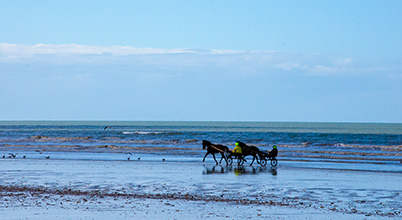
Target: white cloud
[181,58]
[40,49]
[288,66]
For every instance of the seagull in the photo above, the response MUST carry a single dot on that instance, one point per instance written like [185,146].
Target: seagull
[106,127]
[130,154]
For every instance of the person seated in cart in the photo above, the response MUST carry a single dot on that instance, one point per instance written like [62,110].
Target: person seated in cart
[273,152]
[237,149]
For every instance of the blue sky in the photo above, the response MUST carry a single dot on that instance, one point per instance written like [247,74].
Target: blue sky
[318,61]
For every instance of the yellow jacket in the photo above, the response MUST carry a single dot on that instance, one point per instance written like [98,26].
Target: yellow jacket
[237,149]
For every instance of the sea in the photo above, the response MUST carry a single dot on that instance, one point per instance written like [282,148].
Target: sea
[360,146]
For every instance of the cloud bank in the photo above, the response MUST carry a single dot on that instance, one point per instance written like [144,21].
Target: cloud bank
[68,54]
[19,51]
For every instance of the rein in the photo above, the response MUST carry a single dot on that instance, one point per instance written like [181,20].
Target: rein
[216,148]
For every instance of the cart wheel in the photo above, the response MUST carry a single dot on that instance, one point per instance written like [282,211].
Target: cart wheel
[263,162]
[240,161]
[230,160]
[274,162]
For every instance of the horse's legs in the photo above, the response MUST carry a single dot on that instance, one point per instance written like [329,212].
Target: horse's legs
[215,159]
[256,157]
[251,164]
[203,160]
[223,157]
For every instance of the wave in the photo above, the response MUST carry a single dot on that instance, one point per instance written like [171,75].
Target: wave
[142,132]
[40,137]
[148,139]
[70,148]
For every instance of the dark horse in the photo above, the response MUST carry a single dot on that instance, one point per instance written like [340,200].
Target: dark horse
[249,150]
[214,149]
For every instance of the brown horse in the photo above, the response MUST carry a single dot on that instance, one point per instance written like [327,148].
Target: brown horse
[249,150]
[214,149]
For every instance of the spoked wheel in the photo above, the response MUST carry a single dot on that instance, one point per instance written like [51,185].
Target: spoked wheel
[274,162]
[230,160]
[240,161]
[263,162]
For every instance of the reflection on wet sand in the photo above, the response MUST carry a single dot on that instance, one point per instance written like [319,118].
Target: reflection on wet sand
[239,170]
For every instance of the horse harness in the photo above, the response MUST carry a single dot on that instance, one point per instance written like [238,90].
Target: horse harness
[222,151]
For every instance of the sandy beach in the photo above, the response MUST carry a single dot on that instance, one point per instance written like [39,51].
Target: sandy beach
[150,188]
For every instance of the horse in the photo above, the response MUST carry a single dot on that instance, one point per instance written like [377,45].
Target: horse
[249,150]
[214,149]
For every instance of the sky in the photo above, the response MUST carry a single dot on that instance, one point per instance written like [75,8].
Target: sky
[291,61]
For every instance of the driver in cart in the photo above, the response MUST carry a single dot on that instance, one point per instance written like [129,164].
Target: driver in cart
[237,149]
[273,152]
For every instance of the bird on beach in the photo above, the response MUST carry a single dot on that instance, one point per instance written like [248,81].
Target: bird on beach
[129,157]
[48,157]
[13,155]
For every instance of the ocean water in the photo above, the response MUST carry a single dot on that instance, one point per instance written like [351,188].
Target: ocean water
[344,143]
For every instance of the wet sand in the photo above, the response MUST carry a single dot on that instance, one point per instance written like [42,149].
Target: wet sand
[179,189]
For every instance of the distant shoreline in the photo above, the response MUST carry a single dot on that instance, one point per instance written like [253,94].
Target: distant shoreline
[195,121]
